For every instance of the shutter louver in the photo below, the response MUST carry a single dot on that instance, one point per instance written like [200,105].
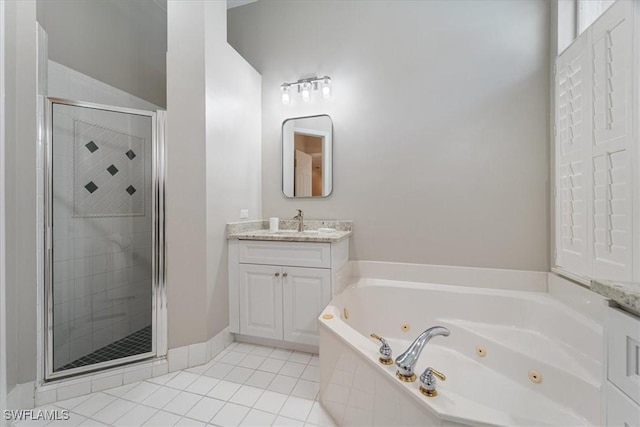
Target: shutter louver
[611,125]
[571,203]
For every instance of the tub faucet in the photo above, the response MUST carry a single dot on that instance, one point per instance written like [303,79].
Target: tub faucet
[300,218]
[407,360]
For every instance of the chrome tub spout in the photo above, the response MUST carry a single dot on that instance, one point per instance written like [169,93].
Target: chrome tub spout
[407,360]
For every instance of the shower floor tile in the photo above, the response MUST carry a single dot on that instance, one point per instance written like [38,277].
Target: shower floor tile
[136,343]
[251,403]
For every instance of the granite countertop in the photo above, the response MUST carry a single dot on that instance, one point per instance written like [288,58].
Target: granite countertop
[626,294]
[259,230]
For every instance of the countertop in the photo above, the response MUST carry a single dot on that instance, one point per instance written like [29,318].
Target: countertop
[626,294]
[259,230]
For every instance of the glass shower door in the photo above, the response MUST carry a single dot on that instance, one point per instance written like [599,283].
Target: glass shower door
[102,257]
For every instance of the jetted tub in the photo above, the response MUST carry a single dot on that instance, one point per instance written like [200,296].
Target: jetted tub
[520,331]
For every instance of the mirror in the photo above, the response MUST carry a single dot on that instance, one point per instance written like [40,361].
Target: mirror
[307,156]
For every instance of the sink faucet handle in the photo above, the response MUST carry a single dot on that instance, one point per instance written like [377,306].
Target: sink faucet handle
[385,350]
[428,381]
[300,218]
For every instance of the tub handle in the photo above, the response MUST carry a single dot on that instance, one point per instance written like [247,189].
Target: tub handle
[385,350]
[428,381]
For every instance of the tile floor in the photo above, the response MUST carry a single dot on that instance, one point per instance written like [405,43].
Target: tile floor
[245,385]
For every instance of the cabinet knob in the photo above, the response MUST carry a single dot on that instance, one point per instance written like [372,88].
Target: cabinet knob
[277,274]
[285,274]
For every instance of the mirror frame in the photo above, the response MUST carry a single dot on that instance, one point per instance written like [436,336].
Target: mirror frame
[328,158]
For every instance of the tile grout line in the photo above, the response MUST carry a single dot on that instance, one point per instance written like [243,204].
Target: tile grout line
[182,388]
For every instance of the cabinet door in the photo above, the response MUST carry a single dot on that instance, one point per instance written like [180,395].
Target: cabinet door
[611,114]
[621,411]
[260,289]
[306,292]
[572,165]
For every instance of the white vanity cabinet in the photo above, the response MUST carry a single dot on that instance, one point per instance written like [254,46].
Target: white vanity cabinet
[596,149]
[621,390]
[277,289]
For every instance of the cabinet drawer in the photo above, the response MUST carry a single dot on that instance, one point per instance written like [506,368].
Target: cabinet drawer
[620,410]
[623,351]
[297,254]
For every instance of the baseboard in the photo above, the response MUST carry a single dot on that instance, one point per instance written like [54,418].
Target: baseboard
[63,389]
[177,358]
[21,396]
[198,354]
[306,348]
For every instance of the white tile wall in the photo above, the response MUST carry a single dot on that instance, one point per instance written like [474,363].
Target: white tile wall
[102,266]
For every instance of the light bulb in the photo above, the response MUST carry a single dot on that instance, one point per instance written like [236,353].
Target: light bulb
[286,97]
[326,88]
[306,92]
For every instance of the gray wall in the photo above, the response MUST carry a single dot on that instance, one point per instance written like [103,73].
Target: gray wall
[440,113]
[20,151]
[213,151]
[186,176]
[233,154]
[121,43]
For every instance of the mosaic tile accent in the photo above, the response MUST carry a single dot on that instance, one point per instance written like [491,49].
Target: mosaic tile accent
[101,162]
[112,170]
[136,343]
[91,146]
[91,187]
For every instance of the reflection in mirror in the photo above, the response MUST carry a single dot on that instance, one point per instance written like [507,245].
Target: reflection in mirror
[306,156]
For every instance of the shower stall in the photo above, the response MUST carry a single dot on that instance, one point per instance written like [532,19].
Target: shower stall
[104,237]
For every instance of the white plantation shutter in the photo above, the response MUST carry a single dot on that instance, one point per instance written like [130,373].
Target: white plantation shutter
[590,10]
[597,149]
[611,47]
[571,181]
[611,216]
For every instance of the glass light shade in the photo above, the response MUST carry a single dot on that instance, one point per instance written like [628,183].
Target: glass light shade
[286,96]
[326,88]
[306,92]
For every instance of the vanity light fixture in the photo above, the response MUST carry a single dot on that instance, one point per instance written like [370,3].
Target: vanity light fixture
[306,91]
[286,96]
[326,87]
[305,87]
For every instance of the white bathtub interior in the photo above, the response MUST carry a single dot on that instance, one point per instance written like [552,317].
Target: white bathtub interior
[520,330]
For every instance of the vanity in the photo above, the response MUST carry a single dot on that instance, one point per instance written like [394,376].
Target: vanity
[279,282]
[621,373]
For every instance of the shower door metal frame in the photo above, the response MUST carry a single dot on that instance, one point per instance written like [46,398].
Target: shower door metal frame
[159,291]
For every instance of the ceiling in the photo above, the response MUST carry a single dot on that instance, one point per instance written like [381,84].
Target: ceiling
[230,3]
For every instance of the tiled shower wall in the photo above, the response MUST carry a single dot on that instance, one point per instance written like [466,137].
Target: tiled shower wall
[102,263]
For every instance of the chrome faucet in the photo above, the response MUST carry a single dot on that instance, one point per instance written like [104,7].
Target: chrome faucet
[407,360]
[300,218]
